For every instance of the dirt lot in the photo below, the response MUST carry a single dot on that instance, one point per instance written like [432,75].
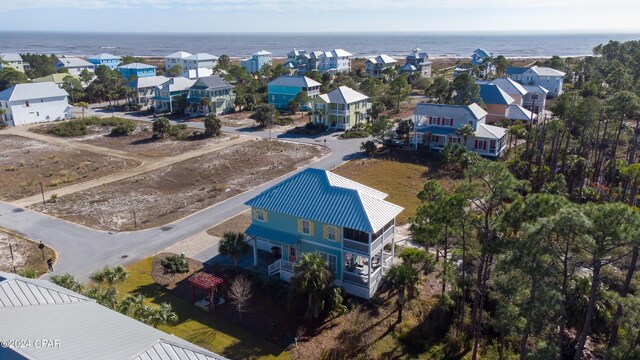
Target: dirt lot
[24,163]
[167,194]
[26,254]
[238,223]
[238,119]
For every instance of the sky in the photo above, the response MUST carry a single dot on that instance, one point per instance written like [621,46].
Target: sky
[304,16]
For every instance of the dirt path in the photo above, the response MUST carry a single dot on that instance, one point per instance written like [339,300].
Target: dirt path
[148,163]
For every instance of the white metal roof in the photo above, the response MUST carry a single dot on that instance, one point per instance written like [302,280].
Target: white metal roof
[178,55]
[148,81]
[535,89]
[197,73]
[11,57]
[489,131]
[73,62]
[341,53]
[16,291]
[382,59]
[177,84]
[85,330]
[262,52]
[517,112]
[136,66]
[343,95]
[546,71]
[31,91]
[202,57]
[104,56]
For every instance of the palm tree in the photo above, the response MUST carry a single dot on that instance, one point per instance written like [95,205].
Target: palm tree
[404,277]
[206,103]
[110,275]
[158,315]
[233,245]
[83,105]
[465,131]
[312,277]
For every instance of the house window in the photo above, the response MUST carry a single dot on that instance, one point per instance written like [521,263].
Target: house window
[332,233]
[471,123]
[331,261]
[306,227]
[26,103]
[259,215]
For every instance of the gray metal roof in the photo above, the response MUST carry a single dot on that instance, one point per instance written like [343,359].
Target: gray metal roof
[297,81]
[31,91]
[489,131]
[214,82]
[178,55]
[517,112]
[86,330]
[11,57]
[148,81]
[136,66]
[319,195]
[73,62]
[465,113]
[535,89]
[382,59]
[177,84]
[16,291]
[547,71]
[202,57]
[104,56]
[343,95]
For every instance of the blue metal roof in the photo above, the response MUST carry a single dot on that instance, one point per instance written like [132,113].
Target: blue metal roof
[516,70]
[328,198]
[493,94]
[272,234]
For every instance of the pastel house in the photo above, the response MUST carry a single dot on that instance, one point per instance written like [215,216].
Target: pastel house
[177,58]
[166,94]
[348,224]
[32,103]
[285,88]
[108,60]
[217,90]
[376,66]
[140,70]
[548,78]
[144,89]
[435,125]
[12,60]
[340,109]
[501,105]
[74,65]
[256,61]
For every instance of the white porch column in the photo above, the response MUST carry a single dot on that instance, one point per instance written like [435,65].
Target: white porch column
[369,273]
[255,251]
[393,242]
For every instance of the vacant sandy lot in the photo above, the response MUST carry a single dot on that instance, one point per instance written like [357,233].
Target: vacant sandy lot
[26,254]
[172,192]
[24,163]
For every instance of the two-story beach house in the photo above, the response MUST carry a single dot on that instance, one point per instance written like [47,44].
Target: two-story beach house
[108,60]
[501,105]
[548,78]
[256,61]
[435,125]
[375,66]
[57,78]
[296,61]
[12,60]
[350,225]
[335,61]
[166,94]
[536,98]
[340,109]
[200,60]
[417,63]
[285,88]
[144,89]
[137,70]
[482,59]
[74,65]
[219,92]
[177,58]
[34,103]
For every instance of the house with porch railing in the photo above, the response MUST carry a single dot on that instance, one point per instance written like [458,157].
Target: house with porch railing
[349,224]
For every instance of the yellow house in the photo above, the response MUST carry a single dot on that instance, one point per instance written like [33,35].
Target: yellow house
[340,109]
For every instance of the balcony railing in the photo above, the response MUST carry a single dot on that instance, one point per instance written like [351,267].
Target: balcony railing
[388,233]
[366,248]
[280,265]
[355,245]
[362,279]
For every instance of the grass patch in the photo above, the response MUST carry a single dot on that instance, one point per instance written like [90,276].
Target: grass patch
[197,326]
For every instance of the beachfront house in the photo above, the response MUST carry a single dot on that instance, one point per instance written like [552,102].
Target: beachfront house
[32,103]
[285,88]
[296,61]
[435,125]
[417,63]
[348,224]
[200,60]
[74,65]
[177,58]
[256,61]
[217,90]
[500,105]
[340,109]
[548,78]
[73,326]
[376,66]
[335,61]
[482,59]
[12,60]
[137,70]
[108,60]
[144,89]
[167,96]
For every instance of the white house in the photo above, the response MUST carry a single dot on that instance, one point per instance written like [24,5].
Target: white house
[74,65]
[13,61]
[200,60]
[177,58]
[435,125]
[196,73]
[256,61]
[34,103]
[375,66]
[548,78]
[335,61]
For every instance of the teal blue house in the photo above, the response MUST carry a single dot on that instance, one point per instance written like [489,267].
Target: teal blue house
[137,70]
[350,225]
[108,60]
[285,88]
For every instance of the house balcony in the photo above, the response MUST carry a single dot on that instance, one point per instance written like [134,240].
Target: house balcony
[282,266]
[363,275]
[366,248]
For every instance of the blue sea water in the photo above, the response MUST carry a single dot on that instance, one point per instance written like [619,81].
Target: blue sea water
[360,44]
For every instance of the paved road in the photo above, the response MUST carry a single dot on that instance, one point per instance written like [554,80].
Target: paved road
[82,250]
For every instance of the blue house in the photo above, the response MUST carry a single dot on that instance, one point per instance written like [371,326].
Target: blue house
[283,89]
[350,225]
[256,61]
[108,60]
[137,70]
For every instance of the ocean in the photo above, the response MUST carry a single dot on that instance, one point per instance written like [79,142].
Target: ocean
[438,45]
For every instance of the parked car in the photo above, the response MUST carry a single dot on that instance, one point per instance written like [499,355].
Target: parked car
[393,143]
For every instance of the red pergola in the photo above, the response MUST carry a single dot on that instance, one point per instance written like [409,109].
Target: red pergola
[206,282]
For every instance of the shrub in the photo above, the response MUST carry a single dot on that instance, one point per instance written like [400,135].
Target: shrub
[123,129]
[175,264]
[79,127]
[69,129]
[28,273]
[369,147]
[283,121]
[355,134]
[178,132]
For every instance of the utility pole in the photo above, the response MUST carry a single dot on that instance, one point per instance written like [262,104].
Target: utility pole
[42,192]
[13,261]
[135,220]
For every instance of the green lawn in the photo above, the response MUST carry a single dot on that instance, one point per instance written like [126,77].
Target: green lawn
[197,326]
